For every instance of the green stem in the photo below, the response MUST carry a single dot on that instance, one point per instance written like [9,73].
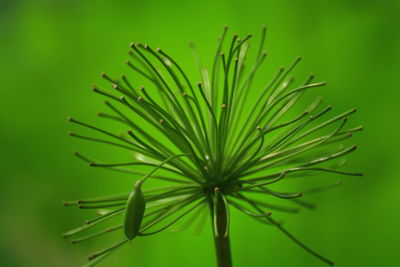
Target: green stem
[222,243]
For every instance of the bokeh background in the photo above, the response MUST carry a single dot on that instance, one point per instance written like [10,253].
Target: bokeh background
[51,51]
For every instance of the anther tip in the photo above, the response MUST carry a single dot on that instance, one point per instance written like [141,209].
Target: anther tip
[298,58]
[132,44]
[114,86]
[223,106]
[141,88]
[91,164]
[354,110]
[198,83]
[158,49]
[91,257]
[264,26]
[70,133]
[103,75]
[69,118]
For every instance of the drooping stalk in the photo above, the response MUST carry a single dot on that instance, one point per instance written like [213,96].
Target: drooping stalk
[222,242]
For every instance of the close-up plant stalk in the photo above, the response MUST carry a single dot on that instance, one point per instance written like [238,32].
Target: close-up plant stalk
[208,148]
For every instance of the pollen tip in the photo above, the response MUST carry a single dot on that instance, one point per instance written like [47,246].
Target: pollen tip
[91,257]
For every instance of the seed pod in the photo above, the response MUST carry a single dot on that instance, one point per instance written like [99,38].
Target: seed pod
[134,211]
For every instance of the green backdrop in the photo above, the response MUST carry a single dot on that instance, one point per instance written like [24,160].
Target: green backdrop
[52,51]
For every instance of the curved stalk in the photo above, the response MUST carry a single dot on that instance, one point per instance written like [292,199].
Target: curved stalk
[222,242]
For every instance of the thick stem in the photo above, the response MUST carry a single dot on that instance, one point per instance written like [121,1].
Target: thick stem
[222,244]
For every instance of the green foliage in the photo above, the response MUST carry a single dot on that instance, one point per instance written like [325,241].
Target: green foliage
[215,145]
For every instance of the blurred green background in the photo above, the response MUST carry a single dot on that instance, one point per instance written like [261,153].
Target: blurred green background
[52,51]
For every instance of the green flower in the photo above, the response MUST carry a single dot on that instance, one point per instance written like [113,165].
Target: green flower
[216,147]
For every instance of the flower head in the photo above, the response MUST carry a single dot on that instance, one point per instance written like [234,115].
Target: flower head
[215,146]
